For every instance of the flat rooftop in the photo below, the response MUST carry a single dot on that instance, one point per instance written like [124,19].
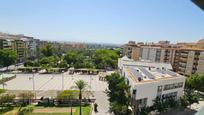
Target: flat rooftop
[149,74]
[125,61]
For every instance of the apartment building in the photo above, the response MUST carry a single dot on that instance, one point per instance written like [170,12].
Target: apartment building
[186,58]
[6,44]
[189,61]
[149,80]
[24,46]
[131,50]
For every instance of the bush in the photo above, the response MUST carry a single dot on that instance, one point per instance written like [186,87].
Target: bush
[5,109]
[68,94]
[2,91]
[25,110]
[28,63]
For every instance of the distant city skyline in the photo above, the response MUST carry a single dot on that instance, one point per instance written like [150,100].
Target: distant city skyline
[105,21]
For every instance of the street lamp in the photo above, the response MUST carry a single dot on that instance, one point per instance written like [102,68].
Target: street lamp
[62,80]
[90,83]
[33,78]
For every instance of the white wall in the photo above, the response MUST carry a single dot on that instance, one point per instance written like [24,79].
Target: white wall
[149,89]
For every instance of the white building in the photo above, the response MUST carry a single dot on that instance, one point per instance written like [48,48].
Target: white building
[149,80]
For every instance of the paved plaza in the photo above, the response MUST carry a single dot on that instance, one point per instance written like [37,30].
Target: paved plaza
[53,82]
[49,84]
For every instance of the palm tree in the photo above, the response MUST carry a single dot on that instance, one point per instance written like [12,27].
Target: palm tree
[80,85]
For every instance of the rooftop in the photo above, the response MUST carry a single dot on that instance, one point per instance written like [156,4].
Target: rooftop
[144,63]
[149,74]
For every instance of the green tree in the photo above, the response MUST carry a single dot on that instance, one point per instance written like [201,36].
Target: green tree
[68,94]
[47,50]
[51,61]
[26,97]
[196,82]
[81,85]
[159,105]
[119,94]
[184,101]
[2,91]
[7,57]
[5,99]
[28,63]
[105,59]
[71,57]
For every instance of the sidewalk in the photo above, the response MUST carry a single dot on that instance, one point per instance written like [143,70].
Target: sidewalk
[103,104]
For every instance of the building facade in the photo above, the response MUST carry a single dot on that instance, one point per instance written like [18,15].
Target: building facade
[25,47]
[186,58]
[149,81]
[131,50]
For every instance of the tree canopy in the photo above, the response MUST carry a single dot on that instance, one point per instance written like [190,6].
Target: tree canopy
[119,94]
[100,59]
[196,82]
[68,94]
[47,50]
[7,57]
[105,58]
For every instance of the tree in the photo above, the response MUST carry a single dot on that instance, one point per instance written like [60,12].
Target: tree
[7,57]
[28,63]
[196,82]
[68,94]
[47,50]
[191,95]
[105,59]
[26,96]
[51,61]
[184,101]
[119,94]
[81,85]
[159,105]
[2,91]
[6,99]
[71,57]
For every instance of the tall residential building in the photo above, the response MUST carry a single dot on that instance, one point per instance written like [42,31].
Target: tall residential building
[131,50]
[149,80]
[24,46]
[189,61]
[186,58]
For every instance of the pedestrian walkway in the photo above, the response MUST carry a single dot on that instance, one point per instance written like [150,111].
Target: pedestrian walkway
[103,103]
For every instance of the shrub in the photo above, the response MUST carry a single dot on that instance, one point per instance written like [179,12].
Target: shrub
[25,110]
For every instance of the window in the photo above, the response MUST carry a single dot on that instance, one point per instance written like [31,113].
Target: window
[169,95]
[173,86]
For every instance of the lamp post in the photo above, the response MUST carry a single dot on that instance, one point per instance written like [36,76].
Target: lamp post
[71,108]
[90,83]
[33,78]
[62,80]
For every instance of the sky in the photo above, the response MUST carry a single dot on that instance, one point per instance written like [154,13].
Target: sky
[103,21]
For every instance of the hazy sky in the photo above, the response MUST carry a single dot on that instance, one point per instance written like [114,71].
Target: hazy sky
[107,21]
